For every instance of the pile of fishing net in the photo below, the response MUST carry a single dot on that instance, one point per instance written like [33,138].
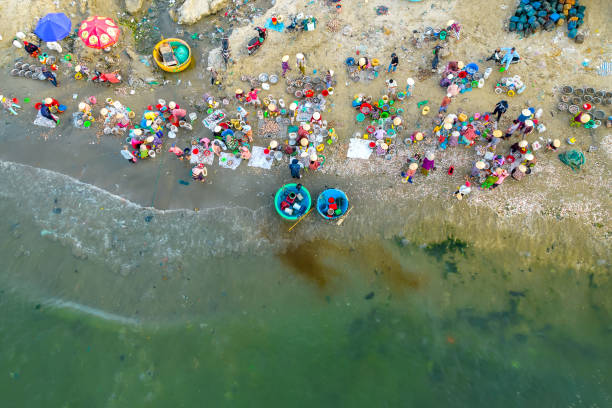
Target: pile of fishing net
[572,158]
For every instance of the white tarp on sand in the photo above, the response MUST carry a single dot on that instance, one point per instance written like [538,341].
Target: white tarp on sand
[359,149]
[229,161]
[260,159]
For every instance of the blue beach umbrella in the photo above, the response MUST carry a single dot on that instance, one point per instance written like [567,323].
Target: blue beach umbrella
[53,27]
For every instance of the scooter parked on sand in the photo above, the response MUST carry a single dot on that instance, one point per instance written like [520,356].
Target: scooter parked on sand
[256,42]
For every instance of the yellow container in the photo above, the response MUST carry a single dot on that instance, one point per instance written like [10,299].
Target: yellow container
[176,68]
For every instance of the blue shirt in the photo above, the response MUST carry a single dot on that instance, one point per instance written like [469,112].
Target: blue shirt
[510,54]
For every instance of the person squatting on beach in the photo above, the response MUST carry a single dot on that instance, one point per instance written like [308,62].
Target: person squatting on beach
[128,155]
[510,55]
[394,63]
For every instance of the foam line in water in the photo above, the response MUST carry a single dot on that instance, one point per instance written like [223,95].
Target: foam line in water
[101,314]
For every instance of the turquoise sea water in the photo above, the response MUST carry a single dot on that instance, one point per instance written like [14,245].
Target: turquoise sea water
[381,323]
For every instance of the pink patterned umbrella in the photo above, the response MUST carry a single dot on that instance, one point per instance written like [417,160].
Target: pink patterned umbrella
[99,32]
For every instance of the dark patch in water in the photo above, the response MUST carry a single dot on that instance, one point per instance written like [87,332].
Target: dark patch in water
[592,283]
[521,338]
[439,249]
[369,296]
[183,182]
[517,293]
[57,210]
[308,260]
[450,267]
[148,218]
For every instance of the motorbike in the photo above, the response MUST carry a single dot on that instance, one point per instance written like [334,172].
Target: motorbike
[110,78]
[225,49]
[256,42]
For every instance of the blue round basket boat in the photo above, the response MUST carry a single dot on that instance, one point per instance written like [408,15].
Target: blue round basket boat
[329,197]
[287,197]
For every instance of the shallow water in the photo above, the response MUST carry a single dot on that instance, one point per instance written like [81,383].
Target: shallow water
[91,317]
[121,287]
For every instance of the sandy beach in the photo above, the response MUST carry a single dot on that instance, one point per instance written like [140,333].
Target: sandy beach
[142,251]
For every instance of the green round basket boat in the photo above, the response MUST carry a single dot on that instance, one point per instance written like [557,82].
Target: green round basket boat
[288,196]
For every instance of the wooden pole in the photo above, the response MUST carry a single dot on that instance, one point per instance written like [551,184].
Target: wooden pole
[341,220]
[300,220]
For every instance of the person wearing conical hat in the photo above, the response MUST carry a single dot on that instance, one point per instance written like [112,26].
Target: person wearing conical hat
[520,146]
[530,160]
[248,133]
[304,130]
[519,172]
[553,145]
[239,94]
[477,167]
[301,62]
[314,162]
[528,127]
[85,108]
[49,102]
[412,169]
[285,65]
[495,139]
[316,118]
[429,163]
[409,86]
[417,137]
[502,174]
[464,189]
[453,139]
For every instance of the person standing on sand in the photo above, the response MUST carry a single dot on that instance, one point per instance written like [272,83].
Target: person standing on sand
[394,63]
[391,87]
[213,75]
[500,109]
[329,78]
[285,65]
[294,167]
[444,104]
[301,63]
